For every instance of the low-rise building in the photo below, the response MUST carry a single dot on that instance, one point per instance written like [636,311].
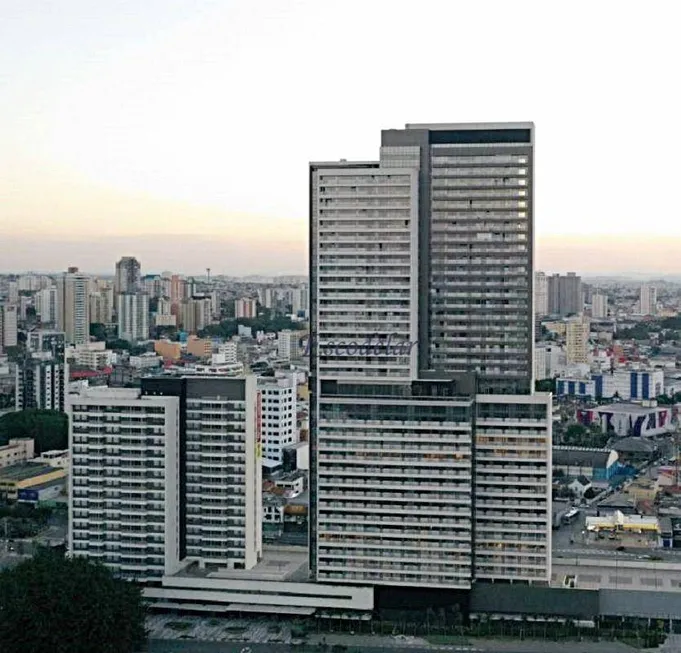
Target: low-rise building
[24,476]
[597,465]
[168,350]
[16,451]
[626,384]
[628,419]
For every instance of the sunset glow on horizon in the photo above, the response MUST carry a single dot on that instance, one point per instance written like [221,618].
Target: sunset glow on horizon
[181,132]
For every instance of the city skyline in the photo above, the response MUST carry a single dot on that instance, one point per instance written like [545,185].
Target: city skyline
[143,128]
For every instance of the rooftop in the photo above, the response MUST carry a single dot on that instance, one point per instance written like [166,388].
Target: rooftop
[23,471]
[626,407]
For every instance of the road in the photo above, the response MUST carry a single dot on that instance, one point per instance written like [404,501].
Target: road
[479,646]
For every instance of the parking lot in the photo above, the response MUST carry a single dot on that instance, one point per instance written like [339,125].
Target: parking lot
[204,629]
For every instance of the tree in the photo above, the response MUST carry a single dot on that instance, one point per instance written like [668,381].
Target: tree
[98,331]
[49,428]
[545,385]
[118,344]
[51,603]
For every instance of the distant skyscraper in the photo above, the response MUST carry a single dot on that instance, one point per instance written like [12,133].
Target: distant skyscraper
[599,305]
[73,306]
[648,300]
[47,305]
[565,294]
[128,275]
[421,314]
[102,306]
[133,316]
[541,297]
[9,332]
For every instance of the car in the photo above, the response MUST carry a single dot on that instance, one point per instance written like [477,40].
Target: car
[621,548]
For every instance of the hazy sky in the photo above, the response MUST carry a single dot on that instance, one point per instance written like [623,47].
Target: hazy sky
[180,131]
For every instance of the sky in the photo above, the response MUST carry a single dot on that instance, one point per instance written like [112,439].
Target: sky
[180,131]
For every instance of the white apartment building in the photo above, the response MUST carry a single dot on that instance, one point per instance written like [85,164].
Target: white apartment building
[548,361]
[124,490]
[286,344]
[541,294]
[227,354]
[93,355]
[577,340]
[46,305]
[599,306]
[9,331]
[223,468]
[648,300]
[133,317]
[73,306]
[279,415]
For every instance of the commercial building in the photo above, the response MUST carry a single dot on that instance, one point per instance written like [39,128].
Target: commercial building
[92,355]
[279,415]
[168,350]
[646,419]
[199,347]
[128,275]
[648,300]
[17,450]
[133,316]
[24,476]
[73,306]
[430,457]
[597,465]
[626,384]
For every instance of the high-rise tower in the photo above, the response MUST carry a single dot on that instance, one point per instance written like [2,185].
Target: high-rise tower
[430,456]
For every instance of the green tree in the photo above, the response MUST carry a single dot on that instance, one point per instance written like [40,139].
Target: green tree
[51,603]
[118,344]
[49,428]
[545,385]
[98,331]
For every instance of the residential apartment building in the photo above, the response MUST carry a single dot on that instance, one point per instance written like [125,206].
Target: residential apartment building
[221,436]
[44,340]
[245,308]
[102,306]
[9,331]
[286,344]
[648,300]
[73,306]
[133,316]
[541,296]
[421,370]
[279,415]
[599,306]
[128,276]
[167,475]
[577,340]
[565,295]
[124,490]
[41,381]
[46,305]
